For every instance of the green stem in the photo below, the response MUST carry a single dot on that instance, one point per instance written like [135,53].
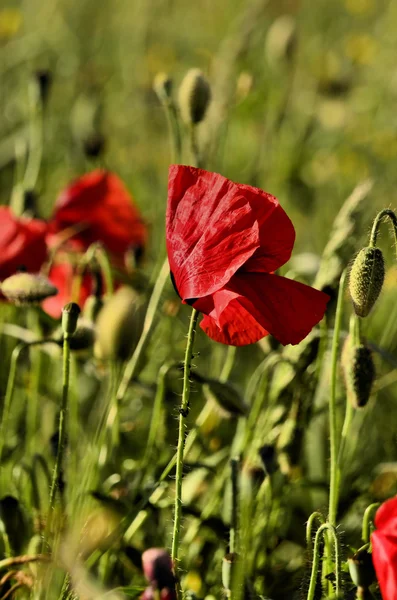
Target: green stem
[234,466]
[197,158]
[174,130]
[228,364]
[386,212]
[367,520]
[133,363]
[35,139]
[106,269]
[316,559]
[334,488]
[62,422]
[309,527]
[183,411]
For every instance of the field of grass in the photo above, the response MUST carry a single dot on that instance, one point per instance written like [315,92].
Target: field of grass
[303,105]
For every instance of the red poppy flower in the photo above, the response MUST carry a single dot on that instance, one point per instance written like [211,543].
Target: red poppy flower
[157,568]
[99,208]
[22,243]
[384,548]
[62,276]
[224,240]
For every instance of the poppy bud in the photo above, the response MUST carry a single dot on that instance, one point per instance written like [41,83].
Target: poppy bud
[70,314]
[119,324]
[194,97]
[359,372]
[281,40]
[94,145]
[92,307]
[162,85]
[27,289]
[82,339]
[366,279]
[43,79]
[362,569]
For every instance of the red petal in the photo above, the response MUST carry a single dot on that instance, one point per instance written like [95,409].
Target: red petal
[276,232]
[252,304]
[211,230]
[22,242]
[386,517]
[100,208]
[384,556]
[61,275]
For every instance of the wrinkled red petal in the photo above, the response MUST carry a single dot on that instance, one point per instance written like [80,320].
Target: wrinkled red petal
[61,275]
[211,230]
[22,243]
[384,556]
[276,232]
[100,208]
[253,304]
[386,517]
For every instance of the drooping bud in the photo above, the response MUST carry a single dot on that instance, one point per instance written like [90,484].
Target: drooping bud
[94,144]
[366,279]
[27,289]
[70,314]
[359,372]
[119,324]
[194,97]
[162,85]
[361,568]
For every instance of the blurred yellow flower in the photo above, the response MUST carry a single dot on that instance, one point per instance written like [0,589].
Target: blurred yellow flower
[10,22]
[361,48]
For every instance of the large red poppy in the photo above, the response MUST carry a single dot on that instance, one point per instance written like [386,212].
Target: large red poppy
[100,209]
[62,275]
[22,243]
[384,548]
[224,240]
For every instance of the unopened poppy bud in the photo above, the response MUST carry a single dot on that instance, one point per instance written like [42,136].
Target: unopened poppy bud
[119,324]
[227,570]
[281,40]
[362,569]
[70,314]
[194,97]
[359,372]
[27,289]
[162,85]
[366,279]
[82,339]
[43,78]
[92,307]
[94,145]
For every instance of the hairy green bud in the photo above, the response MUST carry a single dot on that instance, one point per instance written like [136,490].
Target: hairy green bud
[70,314]
[194,97]
[27,289]
[366,279]
[359,372]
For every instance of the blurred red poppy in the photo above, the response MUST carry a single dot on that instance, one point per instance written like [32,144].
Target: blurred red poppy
[224,240]
[384,548]
[100,209]
[22,243]
[158,570]
[62,275]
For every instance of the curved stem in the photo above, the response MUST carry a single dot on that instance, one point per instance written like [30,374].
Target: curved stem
[309,527]
[333,488]
[62,422]
[133,363]
[331,531]
[106,268]
[228,364]
[183,411]
[367,520]
[386,212]
[174,130]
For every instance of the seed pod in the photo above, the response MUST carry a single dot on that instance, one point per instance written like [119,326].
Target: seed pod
[359,372]
[119,325]
[70,314]
[27,289]
[194,97]
[366,279]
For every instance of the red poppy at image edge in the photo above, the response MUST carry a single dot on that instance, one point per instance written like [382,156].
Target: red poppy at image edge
[224,242]
[100,209]
[384,548]
[22,243]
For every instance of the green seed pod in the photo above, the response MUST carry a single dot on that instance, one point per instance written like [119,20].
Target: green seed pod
[70,314]
[359,372]
[162,85]
[27,289]
[119,325]
[366,279]
[281,40]
[194,97]
[361,568]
